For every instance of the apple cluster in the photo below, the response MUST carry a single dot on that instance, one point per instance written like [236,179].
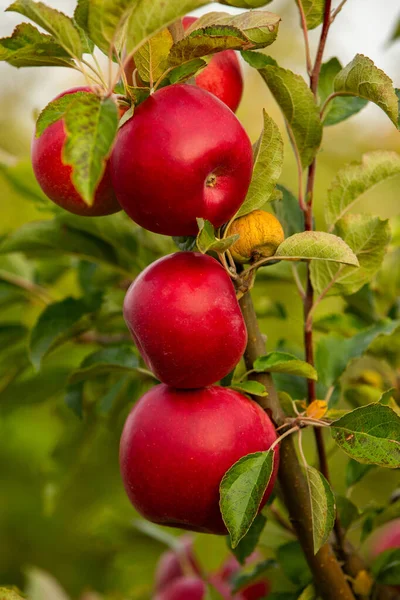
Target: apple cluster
[182,155]
[179,576]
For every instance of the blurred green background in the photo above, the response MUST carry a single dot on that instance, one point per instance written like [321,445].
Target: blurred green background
[63,512]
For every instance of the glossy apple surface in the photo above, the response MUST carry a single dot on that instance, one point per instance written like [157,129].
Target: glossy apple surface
[184,588]
[182,155]
[183,314]
[177,445]
[222,76]
[54,176]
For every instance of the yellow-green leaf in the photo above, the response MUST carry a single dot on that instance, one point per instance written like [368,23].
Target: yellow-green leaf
[363,79]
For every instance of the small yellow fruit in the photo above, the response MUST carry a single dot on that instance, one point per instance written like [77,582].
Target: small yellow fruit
[260,235]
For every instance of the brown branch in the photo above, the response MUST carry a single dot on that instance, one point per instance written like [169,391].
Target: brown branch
[328,575]
[352,562]
[305,34]
[321,47]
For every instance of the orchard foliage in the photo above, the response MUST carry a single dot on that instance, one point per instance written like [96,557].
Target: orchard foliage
[344,382]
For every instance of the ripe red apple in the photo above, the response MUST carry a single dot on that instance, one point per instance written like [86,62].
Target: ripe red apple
[222,76]
[169,566]
[183,314]
[386,537]
[177,445]
[54,176]
[183,155]
[184,588]
[255,591]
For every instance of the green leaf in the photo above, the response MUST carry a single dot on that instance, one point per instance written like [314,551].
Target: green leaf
[81,17]
[186,243]
[152,57]
[396,32]
[309,593]
[41,236]
[55,22]
[333,352]
[297,103]
[27,47]
[218,31]
[81,14]
[317,245]
[356,178]
[138,95]
[241,491]
[363,79]
[55,111]
[91,125]
[246,3]
[387,396]
[323,507]
[254,388]
[292,560]
[268,161]
[56,323]
[81,21]
[121,236]
[7,594]
[258,60]
[339,108]
[74,398]
[113,393]
[249,542]
[355,471]
[314,12]
[370,434]
[368,237]
[386,567]
[347,511]
[146,17]
[282,362]
[118,359]
[240,580]
[22,179]
[207,242]
[186,71]
[288,212]
[105,21]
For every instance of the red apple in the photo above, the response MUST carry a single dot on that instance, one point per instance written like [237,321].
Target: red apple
[54,176]
[184,588]
[170,564]
[183,314]
[183,155]
[384,538]
[222,76]
[177,445]
[255,591]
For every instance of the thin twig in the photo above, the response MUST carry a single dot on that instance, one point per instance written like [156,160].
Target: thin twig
[299,166]
[329,99]
[280,519]
[305,34]
[298,282]
[35,290]
[337,10]
[321,47]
